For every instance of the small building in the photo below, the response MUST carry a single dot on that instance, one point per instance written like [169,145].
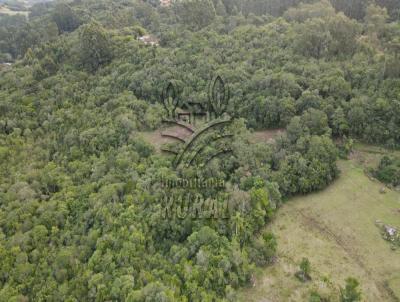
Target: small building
[5,65]
[165,3]
[149,40]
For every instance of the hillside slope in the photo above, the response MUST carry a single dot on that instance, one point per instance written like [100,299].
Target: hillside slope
[335,229]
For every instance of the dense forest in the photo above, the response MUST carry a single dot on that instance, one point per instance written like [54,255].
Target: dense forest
[80,211]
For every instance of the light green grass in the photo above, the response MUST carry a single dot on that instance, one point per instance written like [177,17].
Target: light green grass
[335,229]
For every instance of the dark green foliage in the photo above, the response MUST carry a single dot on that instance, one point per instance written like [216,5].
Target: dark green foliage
[65,18]
[195,13]
[94,46]
[80,211]
[350,293]
[388,171]
[315,297]
[345,147]
[305,269]
[16,36]
[263,249]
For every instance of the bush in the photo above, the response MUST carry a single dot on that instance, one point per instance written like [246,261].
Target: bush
[350,293]
[305,269]
[388,171]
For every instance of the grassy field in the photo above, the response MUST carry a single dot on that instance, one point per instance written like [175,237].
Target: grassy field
[335,229]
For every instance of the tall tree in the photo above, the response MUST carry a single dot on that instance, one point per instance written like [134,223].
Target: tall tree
[95,48]
[66,19]
[195,13]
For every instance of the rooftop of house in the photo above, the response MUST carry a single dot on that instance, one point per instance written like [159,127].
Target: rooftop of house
[5,65]
[150,40]
[165,2]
